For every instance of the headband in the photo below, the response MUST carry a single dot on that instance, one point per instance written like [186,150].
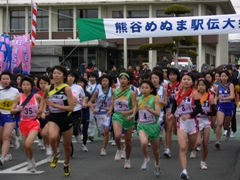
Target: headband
[125,74]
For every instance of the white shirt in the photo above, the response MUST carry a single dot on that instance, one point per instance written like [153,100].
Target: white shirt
[7,97]
[91,88]
[78,94]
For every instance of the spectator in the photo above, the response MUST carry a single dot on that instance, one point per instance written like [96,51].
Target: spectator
[164,62]
[90,67]
[114,69]
[82,67]
[168,65]
[157,65]
[183,69]
[235,71]
[98,72]
[205,69]
[48,70]
[130,67]
[212,67]
[137,72]
[194,70]
[145,70]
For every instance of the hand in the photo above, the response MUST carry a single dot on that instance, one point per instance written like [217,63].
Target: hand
[185,117]
[130,117]
[50,103]
[95,111]
[108,113]
[220,98]
[170,116]
[43,116]
[124,113]
[84,105]
[107,109]
[147,107]
[20,108]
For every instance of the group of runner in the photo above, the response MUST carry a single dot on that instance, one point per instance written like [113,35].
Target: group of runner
[187,105]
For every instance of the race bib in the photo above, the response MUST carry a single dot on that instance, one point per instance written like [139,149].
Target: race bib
[121,105]
[145,117]
[56,110]
[185,108]
[224,101]
[6,104]
[29,111]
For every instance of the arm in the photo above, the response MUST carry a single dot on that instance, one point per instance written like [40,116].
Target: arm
[155,112]
[213,107]
[133,99]
[231,93]
[16,102]
[91,100]
[42,105]
[111,107]
[165,101]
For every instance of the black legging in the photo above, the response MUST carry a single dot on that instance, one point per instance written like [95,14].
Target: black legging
[85,124]
[234,121]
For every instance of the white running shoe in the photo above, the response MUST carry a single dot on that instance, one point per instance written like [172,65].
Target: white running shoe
[78,138]
[118,155]
[123,154]
[33,168]
[225,132]
[40,143]
[157,171]
[145,164]
[113,143]
[49,151]
[232,135]
[1,161]
[193,155]
[84,148]
[8,157]
[49,159]
[15,141]
[127,164]
[167,153]
[103,152]
[203,165]
[199,148]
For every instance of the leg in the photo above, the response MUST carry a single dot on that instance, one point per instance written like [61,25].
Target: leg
[227,123]
[45,134]
[128,142]
[144,141]
[67,139]
[29,142]
[220,119]
[206,135]
[234,121]
[168,130]
[6,134]
[53,132]
[85,131]
[155,150]
[106,137]
[182,142]
[118,133]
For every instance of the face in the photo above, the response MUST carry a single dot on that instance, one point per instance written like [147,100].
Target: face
[212,67]
[114,68]
[43,84]
[35,80]
[95,68]
[26,86]
[19,80]
[224,77]
[5,80]
[145,89]
[124,81]
[165,75]
[209,78]
[155,80]
[145,67]
[137,68]
[217,76]
[230,71]
[70,79]
[168,65]
[58,76]
[201,87]
[172,77]
[85,76]
[130,67]
[92,79]
[80,83]
[187,81]
[105,82]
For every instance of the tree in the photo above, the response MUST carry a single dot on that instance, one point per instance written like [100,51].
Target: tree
[174,47]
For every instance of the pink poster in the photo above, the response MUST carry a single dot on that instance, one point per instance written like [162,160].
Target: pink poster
[1,62]
[26,50]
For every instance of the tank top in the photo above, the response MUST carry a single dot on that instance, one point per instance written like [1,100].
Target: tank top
[224,92]
[186,106]
[124,102]
[29,112]
[145,117]
[103,102]
[58,98]
[160,93]
[206,106]
[171,97]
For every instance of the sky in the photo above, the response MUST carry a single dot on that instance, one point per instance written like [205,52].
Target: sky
[236,5]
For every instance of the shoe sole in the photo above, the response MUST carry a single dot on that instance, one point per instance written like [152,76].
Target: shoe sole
[166,156]
[184,177]
[127,167]
[217,146]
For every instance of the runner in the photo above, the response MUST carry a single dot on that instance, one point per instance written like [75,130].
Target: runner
[7,122]
[208,109]
[124,104]
[148,129]
[102,109]
[187,124]
[60,102]
[172,88]
[85,114]
[27,105]
[225,96]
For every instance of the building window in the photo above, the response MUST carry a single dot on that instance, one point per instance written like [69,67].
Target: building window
[65,20]
[42,20]
[17,21]
[87,13]
[160,13]
[117,14]
[138,14]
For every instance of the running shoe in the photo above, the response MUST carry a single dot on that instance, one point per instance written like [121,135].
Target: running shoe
[149,144]
[78,138]
[225,132]
[49,151]
[33,169]
[157,171]
[103,152]
[91,138]
[193,155]
[123,154]
[232,135]
[227,136]
[113,143]
[167,153]
[145,164]
[8,157]
[1,161]
[15,141]
[40,143]
[84,148]
[203,165]
[66,169]
[118,155]
[184,176]
[217,145]
[198,148]
[127,164]
[54,162]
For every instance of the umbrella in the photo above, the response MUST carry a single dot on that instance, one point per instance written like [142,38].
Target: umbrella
[220,67]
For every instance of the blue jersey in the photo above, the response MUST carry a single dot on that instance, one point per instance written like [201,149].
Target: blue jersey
[225,92]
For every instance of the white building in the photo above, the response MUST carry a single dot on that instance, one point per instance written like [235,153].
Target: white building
[57,33]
